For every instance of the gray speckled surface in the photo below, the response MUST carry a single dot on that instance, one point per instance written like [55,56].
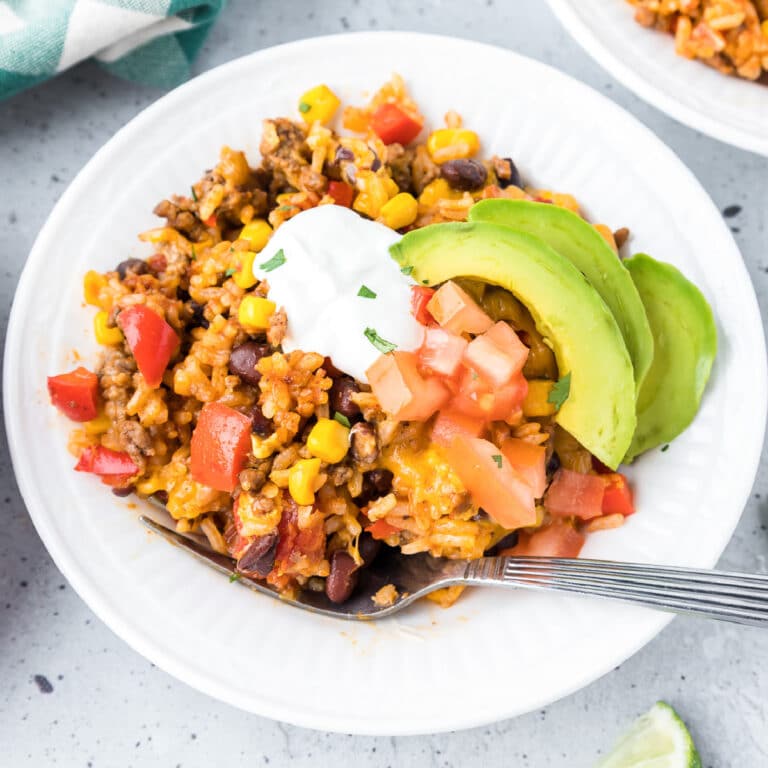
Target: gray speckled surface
[73,694]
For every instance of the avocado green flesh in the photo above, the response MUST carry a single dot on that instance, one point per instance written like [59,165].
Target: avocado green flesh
[600,409]
[583,245]
[686,343]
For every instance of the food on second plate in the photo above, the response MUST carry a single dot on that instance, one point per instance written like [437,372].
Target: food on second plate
[729,35]
[321,356]
[682,321]
[577,240]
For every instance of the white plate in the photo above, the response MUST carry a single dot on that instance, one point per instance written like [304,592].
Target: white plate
[729,108]
[493,655]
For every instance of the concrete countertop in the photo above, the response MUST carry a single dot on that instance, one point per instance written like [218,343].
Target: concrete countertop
[73,694]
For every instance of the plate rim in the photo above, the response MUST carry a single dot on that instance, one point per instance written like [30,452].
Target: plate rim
[131,631]
[685,115]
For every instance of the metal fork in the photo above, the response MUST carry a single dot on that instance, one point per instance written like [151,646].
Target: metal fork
[738,597]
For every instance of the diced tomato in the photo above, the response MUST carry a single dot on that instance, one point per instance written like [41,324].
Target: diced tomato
[450,424]
[341,192]
[477,397]
[298,548]
[455,310]
[420,297]
[529,461]
[381,529]
[151,340]
[573,494]
[393,125]
[117,481]
[99,460]
[75,394]
[210,221]
[618,495]
[497,355]
[492,482]
[402,391]
[442,351]
[558,539]
[220,445]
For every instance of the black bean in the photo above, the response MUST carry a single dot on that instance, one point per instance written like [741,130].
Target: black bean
[121,492]
[376,164]
[259,558]
[464,174]
[368,547]
[260,424]
[198,319]
[161,496]
[133,266]
[342,578]
[507,173]
[343,153]
[507,541]
[553,464]
[376,483]
[364,445]
[340,397]
[242,361]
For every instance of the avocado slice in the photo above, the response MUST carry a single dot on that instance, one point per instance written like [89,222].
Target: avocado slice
[583,245]
[568,312]
[685,342]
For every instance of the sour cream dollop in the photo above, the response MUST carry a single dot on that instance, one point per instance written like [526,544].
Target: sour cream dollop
[331,256]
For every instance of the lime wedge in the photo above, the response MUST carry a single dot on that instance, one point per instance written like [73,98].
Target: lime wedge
[657,739]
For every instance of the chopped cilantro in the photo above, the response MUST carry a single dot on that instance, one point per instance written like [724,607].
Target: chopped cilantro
[560,392]
[231,271]
[425,282]
[304,107]
[193,255]
[286,208]
[665,447]
[407,270]
[194,194]
[497,458]
[234,577]
[342,419]
[366,292]
[276,261]
[382,345]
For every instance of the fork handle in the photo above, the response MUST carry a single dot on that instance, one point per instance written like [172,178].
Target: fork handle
[737,597]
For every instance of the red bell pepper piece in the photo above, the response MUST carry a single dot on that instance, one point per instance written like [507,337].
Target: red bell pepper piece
[420,297]
[210,221]
[220,445]
[618,495]
[393,125]
[341,192]
[381,529]
[151,339]
[75,394]
[107,463]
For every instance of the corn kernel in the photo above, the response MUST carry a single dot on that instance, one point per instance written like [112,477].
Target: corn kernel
[452,144]
[536,403]
[244,277]
[437,190]
[328,440]
[301,481]
[93,282]
[318,104]
[400,211]
[98,426]
[104,334]
[264,447]
[254,313]
[258,232]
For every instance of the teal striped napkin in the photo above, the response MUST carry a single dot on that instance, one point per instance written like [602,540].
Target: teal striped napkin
[150,41]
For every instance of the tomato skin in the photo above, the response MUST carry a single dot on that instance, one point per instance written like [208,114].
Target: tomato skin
[342,193]
[558,539]
[450,424]
[529,461]
[220,445]
[618,495]
[394,126]
[75,394]
[492,482]
[420,297]
[105,462]
[381,529]
[151,340]
[573,494]
[442,352]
